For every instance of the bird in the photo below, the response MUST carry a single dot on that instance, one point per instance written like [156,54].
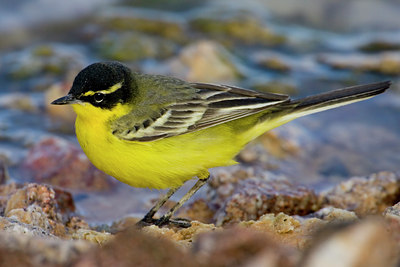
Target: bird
[154,131]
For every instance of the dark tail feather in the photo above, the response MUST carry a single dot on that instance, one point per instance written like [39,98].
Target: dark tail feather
[336,98]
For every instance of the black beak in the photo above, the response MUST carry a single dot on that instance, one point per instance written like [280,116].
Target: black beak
[68,99]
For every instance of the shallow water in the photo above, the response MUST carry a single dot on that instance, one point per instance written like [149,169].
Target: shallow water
[351,141]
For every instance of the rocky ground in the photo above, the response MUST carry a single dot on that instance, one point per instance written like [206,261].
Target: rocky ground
[320,191]
[245,220]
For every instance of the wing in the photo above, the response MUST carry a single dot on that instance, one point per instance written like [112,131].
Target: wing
[209,106]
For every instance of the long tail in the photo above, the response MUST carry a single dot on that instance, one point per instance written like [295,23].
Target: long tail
[292,109]
[333,99]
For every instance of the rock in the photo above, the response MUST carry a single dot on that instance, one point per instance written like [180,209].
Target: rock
[43,196]
[365,196]
[277,146]
[331,214]
[242,247]
[173,5]
[188,235]
[275,86]
[14,226]
[286,229]
[292,231]
[14,258]
[183,237]
[205,61]
[19,101]
[250,198]
[123,224]
[133,248]
[275,150]
[46,59]
[296,231]
[379,46]
[244,27]
[59,162]
[272,61]
[77,223]
[346,18]
[366,243]
[223,184]
[393,212]
[278,224]
[198,210]
[39,251]
[152,22]
[99,238]
[34,215]
[387,63]
[180,236]
[392,217]
[131,46]
[39,205]
[6,190]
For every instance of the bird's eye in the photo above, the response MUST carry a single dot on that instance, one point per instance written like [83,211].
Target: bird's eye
[98,97]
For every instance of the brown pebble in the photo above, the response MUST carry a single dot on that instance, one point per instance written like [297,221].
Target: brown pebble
[366,244]
[365,195]
[59,162]
[242,247]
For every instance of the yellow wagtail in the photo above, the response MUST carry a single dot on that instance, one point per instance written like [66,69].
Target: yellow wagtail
[158,132]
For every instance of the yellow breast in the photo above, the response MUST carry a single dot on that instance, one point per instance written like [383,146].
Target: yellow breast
[158,164]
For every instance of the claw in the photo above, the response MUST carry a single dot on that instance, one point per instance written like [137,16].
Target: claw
[146,222]
[179,222]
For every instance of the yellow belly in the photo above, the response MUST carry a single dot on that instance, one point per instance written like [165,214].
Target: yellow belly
[158,164]
[167,162]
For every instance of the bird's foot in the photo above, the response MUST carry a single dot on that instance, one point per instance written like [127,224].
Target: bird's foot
[179,222]
[146,221]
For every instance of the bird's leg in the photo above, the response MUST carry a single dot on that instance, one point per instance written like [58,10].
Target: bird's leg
[148,218]
[182,223]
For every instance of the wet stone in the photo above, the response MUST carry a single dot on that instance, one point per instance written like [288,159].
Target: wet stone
[379,46]
[244,28]
[387,63]
[45,59]
[131,46]
[152,22]
[205,61]
[59,162]
[272,61]
[275,86]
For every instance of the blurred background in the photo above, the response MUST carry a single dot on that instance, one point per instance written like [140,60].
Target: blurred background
[288,46]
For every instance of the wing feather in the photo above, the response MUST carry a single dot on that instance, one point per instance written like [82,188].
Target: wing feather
[211,105]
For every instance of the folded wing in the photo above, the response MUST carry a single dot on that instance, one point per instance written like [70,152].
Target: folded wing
[209,106]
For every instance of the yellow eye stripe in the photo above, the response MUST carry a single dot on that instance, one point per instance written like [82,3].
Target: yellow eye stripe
[110,90]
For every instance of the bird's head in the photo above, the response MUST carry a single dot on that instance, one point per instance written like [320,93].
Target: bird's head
[102,85]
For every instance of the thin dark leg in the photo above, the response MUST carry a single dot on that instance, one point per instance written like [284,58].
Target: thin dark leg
[148,218]
[166,218]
